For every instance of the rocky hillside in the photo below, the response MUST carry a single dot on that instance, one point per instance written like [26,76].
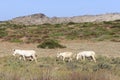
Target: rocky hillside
[36,19]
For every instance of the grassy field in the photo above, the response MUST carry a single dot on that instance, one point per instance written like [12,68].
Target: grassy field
[48,68]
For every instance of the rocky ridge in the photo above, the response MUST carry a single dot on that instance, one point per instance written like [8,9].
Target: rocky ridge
[36,19]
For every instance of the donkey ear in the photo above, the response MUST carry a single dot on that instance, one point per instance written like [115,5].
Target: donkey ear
[13,49]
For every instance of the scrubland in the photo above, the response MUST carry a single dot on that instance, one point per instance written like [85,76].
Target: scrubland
[103,38]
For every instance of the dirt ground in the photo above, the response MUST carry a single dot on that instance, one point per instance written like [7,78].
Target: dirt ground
[106,48]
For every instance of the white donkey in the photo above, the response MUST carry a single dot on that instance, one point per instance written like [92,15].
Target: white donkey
[65,55]
[84,54]
[25,54]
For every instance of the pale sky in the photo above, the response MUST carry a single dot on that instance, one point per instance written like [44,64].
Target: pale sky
[60,8]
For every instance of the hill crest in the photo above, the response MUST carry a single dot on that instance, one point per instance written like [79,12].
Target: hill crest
[36,19]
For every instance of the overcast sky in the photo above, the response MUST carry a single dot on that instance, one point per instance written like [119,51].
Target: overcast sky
[60,8]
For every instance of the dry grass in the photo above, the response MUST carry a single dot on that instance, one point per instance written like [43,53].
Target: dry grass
[48,68]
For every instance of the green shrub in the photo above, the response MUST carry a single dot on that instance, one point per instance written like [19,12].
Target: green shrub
[50,44]
[104,65]
[72,34]
[3,33]
[71,23]
[57,25]
[47,24]
[115,61]
[15,40]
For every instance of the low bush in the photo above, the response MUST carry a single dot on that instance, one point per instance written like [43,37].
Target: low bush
[3,33]
[51,44]
[71,23]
